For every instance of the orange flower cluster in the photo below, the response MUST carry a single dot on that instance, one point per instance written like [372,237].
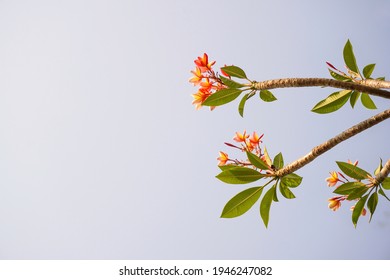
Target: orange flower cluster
[248,143]
[335,202]
[207,80]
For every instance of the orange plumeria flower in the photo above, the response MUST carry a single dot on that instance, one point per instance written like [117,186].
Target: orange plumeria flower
[255,139]
[197,78]
[249,146]
[335,202]
[200,97]
[223,158]
[206,84]
[203,63]
[240,137]
[333,179]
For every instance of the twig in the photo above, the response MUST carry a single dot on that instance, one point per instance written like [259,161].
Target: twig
[326,146]
[368,86]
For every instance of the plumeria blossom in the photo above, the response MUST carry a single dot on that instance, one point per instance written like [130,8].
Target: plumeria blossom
[208,81]
[240,137]
[335,202]
[333,179]
[203,63]
[223,158]
[197,78]
[247,143]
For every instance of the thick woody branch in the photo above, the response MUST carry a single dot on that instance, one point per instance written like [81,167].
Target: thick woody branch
[384,172]
[319,150]
[372,87]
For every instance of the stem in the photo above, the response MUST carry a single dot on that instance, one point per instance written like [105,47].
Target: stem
[326,146]
[384,173]
[368,86]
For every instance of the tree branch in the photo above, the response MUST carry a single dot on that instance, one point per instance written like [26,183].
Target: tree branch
[326,146]
[384,172]
[372,87]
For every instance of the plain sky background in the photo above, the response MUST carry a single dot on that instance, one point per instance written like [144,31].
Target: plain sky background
[102,155]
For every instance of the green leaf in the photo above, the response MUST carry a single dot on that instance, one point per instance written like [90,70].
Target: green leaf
[278,161]
[354,97]
[352,170]
[367,70]
[291,180]
[381,192]
[234,71]
[349,57]
[357,211]
[386,183]
[230,83]
[285,191]
[222,96]
[275,197]
[338,77]
[242,105]
[379,168]
[332,103]
[265,205]
[267,96]
[367,101]
[227,166]
[239,175]
[357,193]
[256,161]
[372,203]
[241,202]
[347,188]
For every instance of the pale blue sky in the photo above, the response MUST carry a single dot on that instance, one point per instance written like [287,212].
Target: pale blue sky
[102,155]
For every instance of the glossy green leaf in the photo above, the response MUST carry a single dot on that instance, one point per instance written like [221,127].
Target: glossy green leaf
[352,170]
[278,161]
[354,98]
[381,192]
[379,168]
[265,205]
[332,103]
[372,203]
[239,175]
[234,71]
[230,83]
[241,202]
[242,105]
[222,97]
[386,183]
[357,211]
[285,191]
[267,96]
[367,101]
[227,166]
[349,57]
[291,180]
[256,161]
[367,70]
[357,193]
[347,188]
[275,197]
[338,77]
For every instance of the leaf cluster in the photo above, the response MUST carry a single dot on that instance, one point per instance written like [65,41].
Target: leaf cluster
[244,200]
[365,193]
